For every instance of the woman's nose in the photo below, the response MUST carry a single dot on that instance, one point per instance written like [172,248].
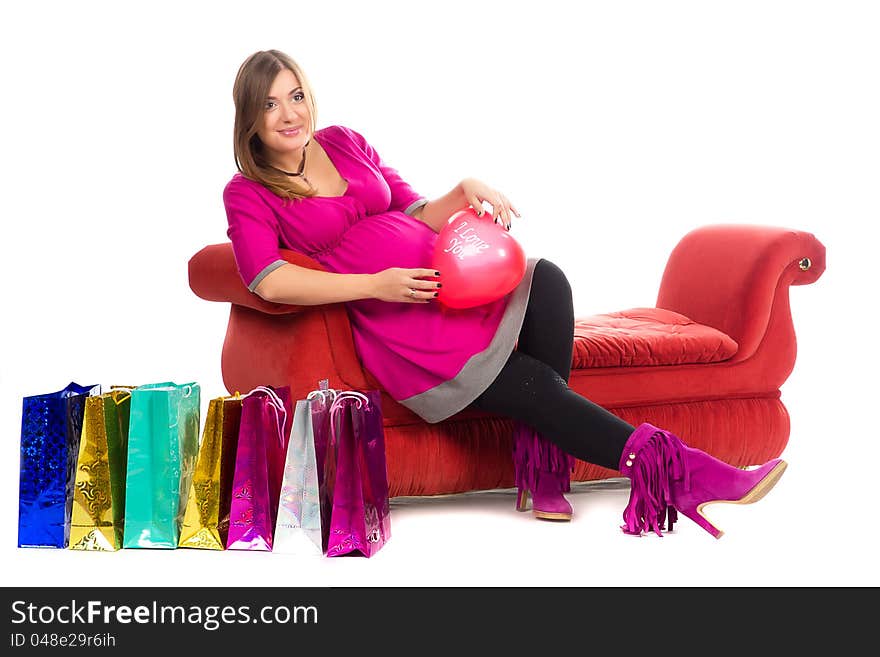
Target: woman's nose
[289,113]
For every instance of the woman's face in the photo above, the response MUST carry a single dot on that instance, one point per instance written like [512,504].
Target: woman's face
[286,118]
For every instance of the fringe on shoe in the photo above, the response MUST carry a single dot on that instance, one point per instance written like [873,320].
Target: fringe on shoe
[533,454]
[653,459]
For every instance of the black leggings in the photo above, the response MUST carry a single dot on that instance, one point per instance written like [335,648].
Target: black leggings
[532,387]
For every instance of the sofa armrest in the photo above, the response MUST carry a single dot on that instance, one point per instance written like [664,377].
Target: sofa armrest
[213,276]
[728,276]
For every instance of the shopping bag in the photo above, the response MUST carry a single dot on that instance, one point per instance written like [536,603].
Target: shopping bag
[321,432]
[99,486]
[355,470]
[163,444]
[51,427]
[206,518]
[266,416]
[298,528]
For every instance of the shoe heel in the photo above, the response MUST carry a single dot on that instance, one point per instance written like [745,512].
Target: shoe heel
[522,499]
[696,514]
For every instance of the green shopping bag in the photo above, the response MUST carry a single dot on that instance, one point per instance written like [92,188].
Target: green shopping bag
[163,445]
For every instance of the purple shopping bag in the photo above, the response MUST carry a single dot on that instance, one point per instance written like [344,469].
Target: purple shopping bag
[320,401]
[355,476]
[264,429]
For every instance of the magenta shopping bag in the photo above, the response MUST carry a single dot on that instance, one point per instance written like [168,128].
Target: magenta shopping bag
[355,476]
[264,429]
[321,401]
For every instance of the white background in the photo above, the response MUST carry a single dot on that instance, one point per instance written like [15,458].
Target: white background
[614,130]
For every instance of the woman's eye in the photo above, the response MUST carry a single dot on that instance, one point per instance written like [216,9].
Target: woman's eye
[298,97]
[270,104]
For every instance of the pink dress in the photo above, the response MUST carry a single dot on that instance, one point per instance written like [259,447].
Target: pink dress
[432,359]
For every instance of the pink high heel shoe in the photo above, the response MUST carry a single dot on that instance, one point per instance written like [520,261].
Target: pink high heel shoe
[543,472]
[668,477]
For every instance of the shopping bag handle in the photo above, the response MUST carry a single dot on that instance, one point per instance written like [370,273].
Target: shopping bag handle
[119,395]
[359,398]
[355,397]
[277,406]
[332,393]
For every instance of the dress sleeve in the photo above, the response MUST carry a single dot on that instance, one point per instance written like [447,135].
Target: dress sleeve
[403,197]
[253,231]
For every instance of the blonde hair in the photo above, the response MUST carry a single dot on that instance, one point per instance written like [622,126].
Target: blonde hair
[252,83]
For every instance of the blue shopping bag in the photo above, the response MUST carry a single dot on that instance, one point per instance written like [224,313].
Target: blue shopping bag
[51,425]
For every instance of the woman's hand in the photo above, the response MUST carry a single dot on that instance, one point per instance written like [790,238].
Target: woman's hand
[476,191]
[404,285]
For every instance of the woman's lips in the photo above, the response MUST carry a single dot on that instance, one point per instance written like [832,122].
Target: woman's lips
[290,132]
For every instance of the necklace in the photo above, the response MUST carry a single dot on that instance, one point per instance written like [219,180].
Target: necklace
[299,171]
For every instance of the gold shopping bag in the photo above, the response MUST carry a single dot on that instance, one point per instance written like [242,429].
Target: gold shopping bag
[206,519]
[99,488]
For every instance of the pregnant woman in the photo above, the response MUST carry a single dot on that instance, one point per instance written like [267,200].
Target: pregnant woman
[328,194]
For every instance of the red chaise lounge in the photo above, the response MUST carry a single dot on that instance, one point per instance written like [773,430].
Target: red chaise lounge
[706,363]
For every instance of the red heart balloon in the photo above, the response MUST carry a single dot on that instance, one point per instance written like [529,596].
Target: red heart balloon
[478,260]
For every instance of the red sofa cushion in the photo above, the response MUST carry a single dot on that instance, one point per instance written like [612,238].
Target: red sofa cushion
[646,336]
